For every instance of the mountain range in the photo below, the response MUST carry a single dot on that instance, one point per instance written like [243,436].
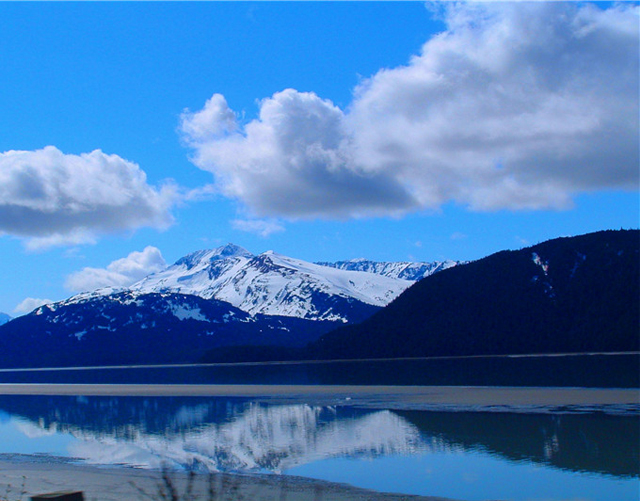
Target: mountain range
[577,294]
[273,284]
[205,300]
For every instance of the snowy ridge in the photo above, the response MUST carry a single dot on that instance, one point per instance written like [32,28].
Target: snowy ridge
[403,270]
[278,285]
[273,284]
[81,298]
[167,303]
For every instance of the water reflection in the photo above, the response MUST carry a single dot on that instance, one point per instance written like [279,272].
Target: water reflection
[212,434]
[593,443]
[226,434]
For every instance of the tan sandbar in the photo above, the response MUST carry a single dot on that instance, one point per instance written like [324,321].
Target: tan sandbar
[367,395]
[129,484]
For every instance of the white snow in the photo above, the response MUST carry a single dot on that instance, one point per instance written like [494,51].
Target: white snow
[270,283]
[79,335]
[183,312]
[405,270]
[544,265]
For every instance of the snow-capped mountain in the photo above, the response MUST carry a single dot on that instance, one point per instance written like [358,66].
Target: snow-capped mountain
[198,307]
[4,318]
[404,270]
[273,284]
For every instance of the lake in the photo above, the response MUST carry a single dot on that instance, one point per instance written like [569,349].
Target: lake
[596,371]
[560,453]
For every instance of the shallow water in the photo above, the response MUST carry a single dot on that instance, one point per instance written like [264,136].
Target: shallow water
[591,454]
[464,455]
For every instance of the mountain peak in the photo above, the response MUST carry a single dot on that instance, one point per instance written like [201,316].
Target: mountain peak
[274,284]
[231,250]
[209,255]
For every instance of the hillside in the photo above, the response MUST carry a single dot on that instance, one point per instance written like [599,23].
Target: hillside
[577,294]
[132,328]
[208,300]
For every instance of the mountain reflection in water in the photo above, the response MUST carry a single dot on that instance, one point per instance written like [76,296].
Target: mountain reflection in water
[233,434]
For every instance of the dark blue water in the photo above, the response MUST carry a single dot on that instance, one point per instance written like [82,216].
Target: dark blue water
[598,371]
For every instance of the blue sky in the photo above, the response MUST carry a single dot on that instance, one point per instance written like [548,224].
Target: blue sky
[135,133]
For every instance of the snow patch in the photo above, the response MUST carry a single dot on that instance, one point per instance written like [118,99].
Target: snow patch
[184,312]
[80,335]
[544,265]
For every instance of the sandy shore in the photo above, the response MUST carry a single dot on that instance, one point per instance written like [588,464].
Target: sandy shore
[26,476]
[391,397]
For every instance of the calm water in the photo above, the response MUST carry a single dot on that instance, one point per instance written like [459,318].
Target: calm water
[605,371]
[463,455]
[456,454]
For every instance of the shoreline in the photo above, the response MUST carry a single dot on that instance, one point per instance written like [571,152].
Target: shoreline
[330,361]
[462,398]
[28,475]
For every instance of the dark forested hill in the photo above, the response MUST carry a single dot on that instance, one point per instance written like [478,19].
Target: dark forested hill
[575,294]
[131,328]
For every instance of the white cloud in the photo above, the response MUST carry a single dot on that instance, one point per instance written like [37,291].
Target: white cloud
[514,106]
[51,198]
[120,273]
[30,304]
[293,161]
[213,120]
[262,227]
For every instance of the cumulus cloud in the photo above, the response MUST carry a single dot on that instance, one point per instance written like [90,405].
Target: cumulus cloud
[513,106]
[294,160]
[120,273]
[52,198]
[30,304]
